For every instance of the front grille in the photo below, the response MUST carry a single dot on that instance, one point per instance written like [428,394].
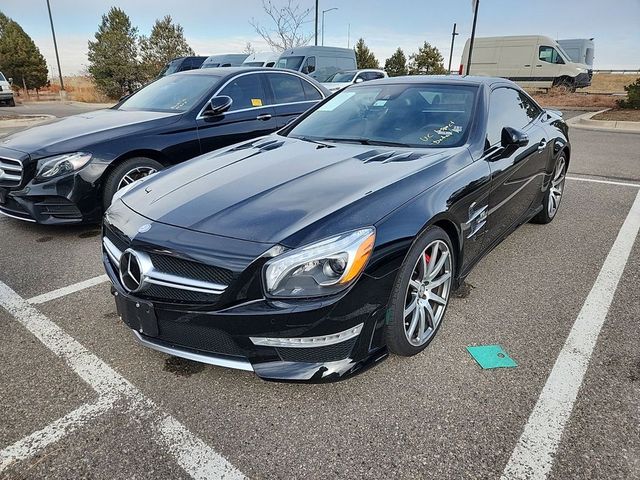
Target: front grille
[10,172]
[338,351]
[190,269]
[169,294]
[199,338]
[118,241]
[59,207]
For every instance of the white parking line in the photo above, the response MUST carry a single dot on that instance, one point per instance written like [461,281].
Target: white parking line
[61,292]
[608,182]
[38,441]
[202,462]
[533,456]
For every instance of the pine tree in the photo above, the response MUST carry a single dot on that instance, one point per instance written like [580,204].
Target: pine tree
[20,58]
[427,61]
[396,64]
[165,43]
[113,55]
[365,57]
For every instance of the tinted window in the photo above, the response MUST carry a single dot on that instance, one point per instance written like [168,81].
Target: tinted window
[550,55]
[508,108]
[2,78]
[376,75]
[292,63]
[286,88]
[341,77]
[428,115]
[246,92]
[173,93]
[311,92]
[310,65]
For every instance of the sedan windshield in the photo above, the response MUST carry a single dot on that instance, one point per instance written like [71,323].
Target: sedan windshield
[342,77]
[173,93]
[411,115]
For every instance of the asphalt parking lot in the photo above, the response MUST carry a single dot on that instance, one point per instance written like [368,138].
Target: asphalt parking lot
[79,398]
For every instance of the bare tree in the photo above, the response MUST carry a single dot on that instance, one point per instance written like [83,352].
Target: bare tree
[289,21]
[248,49]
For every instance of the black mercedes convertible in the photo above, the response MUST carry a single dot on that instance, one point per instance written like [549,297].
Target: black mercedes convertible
[311,253]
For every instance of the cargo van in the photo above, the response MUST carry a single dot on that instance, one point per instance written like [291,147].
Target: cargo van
[318,62]
[261,59]
[580,50]
[225,60]
[532,61]
[181,64]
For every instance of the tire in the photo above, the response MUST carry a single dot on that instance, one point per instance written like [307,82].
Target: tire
[409,330]
[553,195]
[564,85]
[126,172]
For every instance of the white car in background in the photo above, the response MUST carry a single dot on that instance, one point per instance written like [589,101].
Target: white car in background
[261,59]
[340,80]
[6,93]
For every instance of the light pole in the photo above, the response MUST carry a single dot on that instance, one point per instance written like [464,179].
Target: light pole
[317,22]
[323,12]
[453,41]
[55,47]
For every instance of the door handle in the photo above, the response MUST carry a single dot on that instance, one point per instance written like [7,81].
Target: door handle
[528,65]
[542,145]
[539,66]
[264,117]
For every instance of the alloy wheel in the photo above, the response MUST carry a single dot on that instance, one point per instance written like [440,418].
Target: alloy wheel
[556,187]
[135,174]
[427,293]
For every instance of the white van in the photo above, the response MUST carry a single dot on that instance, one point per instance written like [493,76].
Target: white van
[6,93]
[531,61]
[318,62]
[580,50]
[261,59]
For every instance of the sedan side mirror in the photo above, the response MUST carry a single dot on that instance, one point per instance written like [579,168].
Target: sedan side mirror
[10,79]
[512,137]
[359,80]
[218,105]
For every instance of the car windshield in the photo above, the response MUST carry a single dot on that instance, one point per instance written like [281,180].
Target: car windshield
[169,68]
[292,63]
[252,64]
[173,93]
[411,115]
[2,79]
[341,77]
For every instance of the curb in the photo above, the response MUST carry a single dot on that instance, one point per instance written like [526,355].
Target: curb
[584,122]
[25,121]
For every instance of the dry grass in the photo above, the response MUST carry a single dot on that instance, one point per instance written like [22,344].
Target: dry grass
[81,89]
[626,115]
[568,100]
[609,82]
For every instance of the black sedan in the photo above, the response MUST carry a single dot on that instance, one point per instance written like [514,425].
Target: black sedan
[69,170]
[310,254]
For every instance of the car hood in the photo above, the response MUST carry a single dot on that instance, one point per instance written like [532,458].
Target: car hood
[78,132]
[273,189]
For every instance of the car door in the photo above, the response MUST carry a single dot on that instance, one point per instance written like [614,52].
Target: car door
[547,66]
[291,96]
[517,174]
[249,116]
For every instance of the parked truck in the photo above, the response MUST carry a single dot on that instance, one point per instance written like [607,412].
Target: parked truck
[530,60]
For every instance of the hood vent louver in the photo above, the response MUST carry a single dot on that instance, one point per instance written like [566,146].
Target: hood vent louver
[387,156]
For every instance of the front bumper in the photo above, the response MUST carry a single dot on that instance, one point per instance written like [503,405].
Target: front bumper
[240,329]
[583,80]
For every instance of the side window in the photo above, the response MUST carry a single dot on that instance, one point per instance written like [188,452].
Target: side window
[530,108]
[246,92]
[507,108]
[309,65]
[376,75]
[549,55]
[311,93]
[286,88]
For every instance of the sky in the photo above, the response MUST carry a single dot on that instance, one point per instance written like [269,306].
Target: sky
[216,26]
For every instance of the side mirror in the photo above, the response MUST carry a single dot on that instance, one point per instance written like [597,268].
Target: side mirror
[512,137]
[359,80]
[218,105]
[10,80]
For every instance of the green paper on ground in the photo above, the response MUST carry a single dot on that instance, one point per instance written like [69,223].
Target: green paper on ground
[491,356]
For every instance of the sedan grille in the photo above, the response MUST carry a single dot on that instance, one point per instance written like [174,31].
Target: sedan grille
[10,172]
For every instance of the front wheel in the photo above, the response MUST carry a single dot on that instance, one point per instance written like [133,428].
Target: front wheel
[553,195]
[126,173]
[421,293]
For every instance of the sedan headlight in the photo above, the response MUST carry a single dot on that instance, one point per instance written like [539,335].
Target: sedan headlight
[60,164]
[321,268]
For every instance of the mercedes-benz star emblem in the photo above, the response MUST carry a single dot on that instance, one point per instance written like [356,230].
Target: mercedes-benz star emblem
[130,271]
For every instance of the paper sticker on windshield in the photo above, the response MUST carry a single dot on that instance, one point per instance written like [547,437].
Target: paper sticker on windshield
[440,134]
[379,103]
[336,101]
[256,102]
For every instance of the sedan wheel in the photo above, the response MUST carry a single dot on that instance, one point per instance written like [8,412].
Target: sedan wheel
[126,173]
[421,293]
[556,188]
[135,174]
[427,293]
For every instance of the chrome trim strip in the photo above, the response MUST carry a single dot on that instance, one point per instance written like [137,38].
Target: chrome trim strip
[196,357]
[18,218]
[200,117]
[309,342]
[153,276]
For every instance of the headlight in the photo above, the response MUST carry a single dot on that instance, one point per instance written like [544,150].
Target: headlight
[119,193]
[61,164]
[321,268]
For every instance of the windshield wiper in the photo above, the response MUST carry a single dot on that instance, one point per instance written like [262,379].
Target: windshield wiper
[364,141]
[313,140]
